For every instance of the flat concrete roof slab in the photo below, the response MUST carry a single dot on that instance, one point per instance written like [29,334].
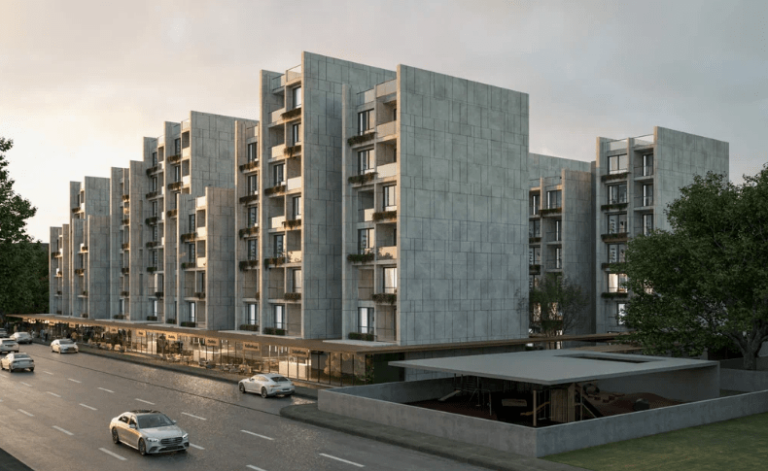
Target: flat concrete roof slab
[553,367]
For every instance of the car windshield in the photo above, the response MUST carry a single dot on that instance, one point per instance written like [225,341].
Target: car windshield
[279,379]
[154,420]
[65,342]
[21,355]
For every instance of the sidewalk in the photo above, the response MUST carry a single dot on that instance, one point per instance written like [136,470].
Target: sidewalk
[9,463]
[458,451]
[306,390]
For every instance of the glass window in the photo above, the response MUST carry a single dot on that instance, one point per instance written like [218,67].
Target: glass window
[252,152]
[191,223]
[621,313]
[617,223]
[534,204]
[617,194]
[154,159]
[534,228]
[616,253]
[177,146]
[647,195]
[364,161]
[617,282]
[617,163]
[252,314]
[153,184]
[154,233]
[191,251]
[279,317]
[367,321]
[154,208]
[364,123]
[296,97]
[253,184]
[554,199]
[647,224]
[534,256]
[277,174]
[390,200]
[296,280]
[390,280]
[279,245]
[192,312]
[364,242]
[296,133]
[177,173]
[154,307]
[253,249]
[296,204]
[253,215]
[647,165]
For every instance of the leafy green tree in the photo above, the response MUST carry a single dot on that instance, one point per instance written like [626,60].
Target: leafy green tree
[556,306]
[23,263]
[705,283]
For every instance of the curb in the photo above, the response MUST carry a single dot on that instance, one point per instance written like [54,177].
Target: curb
[445,448]
[10,463]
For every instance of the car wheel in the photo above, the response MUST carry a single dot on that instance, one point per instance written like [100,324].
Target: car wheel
[264,393]
[31,370]
[142,447]
[115,436]
[242,388]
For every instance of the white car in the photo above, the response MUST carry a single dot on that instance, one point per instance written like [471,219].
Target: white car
[8,346]
[17,361]
[267,385]
[64,346]
[22,337]
[148,431]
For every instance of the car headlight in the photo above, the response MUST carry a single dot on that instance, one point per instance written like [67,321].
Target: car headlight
[153,440]
[185,436]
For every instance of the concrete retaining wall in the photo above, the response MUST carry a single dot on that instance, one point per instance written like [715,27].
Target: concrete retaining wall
[368,403]
[743,380]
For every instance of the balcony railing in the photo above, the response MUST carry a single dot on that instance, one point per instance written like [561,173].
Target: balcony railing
[556,264]
[368,215]
[618,145]
[387,170]
[292,74]
[533,211]
[293,256]
[293,184]
[202,232]
[201,262]
[643,201]
[277,115]
[555,236]
[277,152]
[252,165]
[386,129]
[277,222]
[643,171]
[387,253]
[643,141]
[278,82]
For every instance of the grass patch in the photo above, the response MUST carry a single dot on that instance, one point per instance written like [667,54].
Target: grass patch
[739,444]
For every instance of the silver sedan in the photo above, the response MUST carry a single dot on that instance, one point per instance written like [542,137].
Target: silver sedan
[149,432]
[64,346]
[269,384]
[17,361]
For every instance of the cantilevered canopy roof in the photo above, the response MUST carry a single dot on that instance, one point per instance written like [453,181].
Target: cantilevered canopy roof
[553,367]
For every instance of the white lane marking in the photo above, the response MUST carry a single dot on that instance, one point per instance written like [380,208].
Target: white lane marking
[74,380]
[257,435]
[254,467]
[107,390]
[25,412]
[25,384]
[112,454]
[343,460]
[62,430]
[48,372]
[196,446]
[145,402]
[194,416]
[88,407]
[53,394]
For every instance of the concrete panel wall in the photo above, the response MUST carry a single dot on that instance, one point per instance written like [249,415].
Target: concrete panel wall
[98,267]
[220,255]
[743,380]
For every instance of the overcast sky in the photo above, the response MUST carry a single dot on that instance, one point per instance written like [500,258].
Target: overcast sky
[82,82]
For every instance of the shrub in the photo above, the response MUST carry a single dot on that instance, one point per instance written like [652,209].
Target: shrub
[292,223]
[360,257]
[151,318]
[170,321]
[355,140]
[83,315]
[361,179]
[248,198]
[380,215]
[292,296]
[118,316]
[382,298]
[359,336]
[249,327]
[187,324]
[273,331]
[274,190]
[290,114]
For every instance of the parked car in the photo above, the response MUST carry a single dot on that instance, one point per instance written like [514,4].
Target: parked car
[8,346]
[267,385]
[64,346]
[17,361]
[149,432]
[3,334]
[22,337]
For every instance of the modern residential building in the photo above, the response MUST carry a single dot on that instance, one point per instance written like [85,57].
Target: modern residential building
[435,175]
[638,178]
[368,215]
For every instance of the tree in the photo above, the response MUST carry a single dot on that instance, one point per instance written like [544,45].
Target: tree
[705,283]
[556,306]
[23,263]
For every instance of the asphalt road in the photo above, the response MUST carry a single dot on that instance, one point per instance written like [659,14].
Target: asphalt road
[57,418]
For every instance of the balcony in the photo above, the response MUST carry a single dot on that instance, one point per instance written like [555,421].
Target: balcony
[83,248]
[249,265]
[172,213]
[643,202]
[366,136]
[201,262]
[293,184]
[292,74]
[555,236]
[125,270]
[174,159]
[368,215]
[153,243]
[186,180]
[126,198]
[277,152]
[552,211]
[275,190]
[201,232]
[277,222]
[153,170]
[292,114]
[387,253]
[276,116]
[534,211]
[200,202]
[188,265]
[292,151]
[126,221]
[126,246]
[643,171]
[617,145]
[249,231]
[534,268]
[79,271]
[556,264]
[247,199]
[199,295]
[385,216]
[387,129]
[188,237]
[616,204]
[615,237]
[250,166]
[155,194]
[645,141]
[293,256]
[175,186]
[291,224]
[186,153]
[278,83]
[387,170]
